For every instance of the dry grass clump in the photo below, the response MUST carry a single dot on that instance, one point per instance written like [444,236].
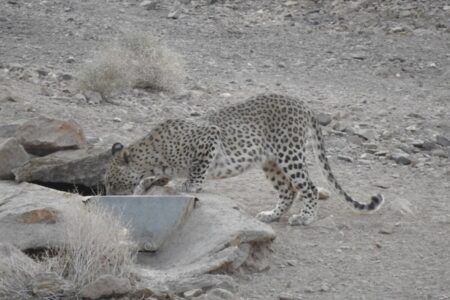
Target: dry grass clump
[95,243]
[133,60]
[16,272]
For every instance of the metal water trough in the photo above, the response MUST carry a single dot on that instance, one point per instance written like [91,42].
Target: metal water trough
[152,218]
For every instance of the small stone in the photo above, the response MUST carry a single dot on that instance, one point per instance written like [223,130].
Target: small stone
[428,146]
[149,5]
[397,29]
[192,293]
[221,294]
[287,296]
[345,158]
[400,158]
[117,119]
[358,55]
[387,230]
[12,155]
[323,118]
[70,60]
[93,97]
[442,140]
[38,216]
[290,3]
[65,77]
[440,153]
[291,263]
[106,286]
[446,7]
[173,15]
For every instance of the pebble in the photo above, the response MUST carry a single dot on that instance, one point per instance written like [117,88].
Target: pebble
[323,118]
[117,119]
[401,158]
[442,140]
[221,294]
[192,293]
[149,5]
[173,15]
[287,296]
[440,153]
[70,60]
[396,29]
[323,193]
[345,158]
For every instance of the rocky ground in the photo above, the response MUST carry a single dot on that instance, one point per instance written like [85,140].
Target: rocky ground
[377,71]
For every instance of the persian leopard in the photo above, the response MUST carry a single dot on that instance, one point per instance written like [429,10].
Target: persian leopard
[267,130]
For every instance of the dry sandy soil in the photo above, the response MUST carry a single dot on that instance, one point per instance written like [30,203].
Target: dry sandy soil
[379,68]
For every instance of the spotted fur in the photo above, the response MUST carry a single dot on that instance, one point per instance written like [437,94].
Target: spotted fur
[267,130]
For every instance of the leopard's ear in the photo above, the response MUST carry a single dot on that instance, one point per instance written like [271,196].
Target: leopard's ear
[116,147]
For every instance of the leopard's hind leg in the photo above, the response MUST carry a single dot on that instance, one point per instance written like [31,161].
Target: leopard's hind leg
[286,192]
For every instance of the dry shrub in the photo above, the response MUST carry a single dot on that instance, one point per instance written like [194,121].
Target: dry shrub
[105,74]
[96,243]
[16,272]
[133,60]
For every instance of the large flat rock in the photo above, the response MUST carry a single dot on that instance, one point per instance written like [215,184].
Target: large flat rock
[152,218]
[43,135]
[31,215]
[216,237]
[84,166]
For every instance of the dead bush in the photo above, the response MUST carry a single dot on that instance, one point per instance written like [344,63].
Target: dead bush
[96,243]
[135,60]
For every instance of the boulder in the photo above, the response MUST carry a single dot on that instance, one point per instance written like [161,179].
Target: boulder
[12,155]
[216,238]
[84,166]
[106,286]
[42,135]
[31,215]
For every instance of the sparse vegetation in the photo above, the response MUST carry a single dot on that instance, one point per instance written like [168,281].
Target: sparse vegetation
[95,243]
[135,60]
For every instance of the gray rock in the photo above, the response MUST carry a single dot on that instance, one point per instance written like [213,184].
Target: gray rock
[206,281]
[42,135]
[8,130]
[323,119]
[400,157]
[84,166]
[192,293]
[442,140]
[288,296]
[12,155]
[93,97]
[148,4]
[440,153]
[428,146]
[30,215]
[173,15]
[345,158]
[221,294]
[51,285]
[106,286]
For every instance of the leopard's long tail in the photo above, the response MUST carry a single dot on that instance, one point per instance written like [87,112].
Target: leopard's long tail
[319,151]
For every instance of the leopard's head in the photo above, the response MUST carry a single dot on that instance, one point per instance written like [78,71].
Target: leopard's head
[120,178]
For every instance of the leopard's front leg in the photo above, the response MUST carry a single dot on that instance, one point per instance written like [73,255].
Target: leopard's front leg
[205,151]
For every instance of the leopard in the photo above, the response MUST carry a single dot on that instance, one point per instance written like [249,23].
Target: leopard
[269,131]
